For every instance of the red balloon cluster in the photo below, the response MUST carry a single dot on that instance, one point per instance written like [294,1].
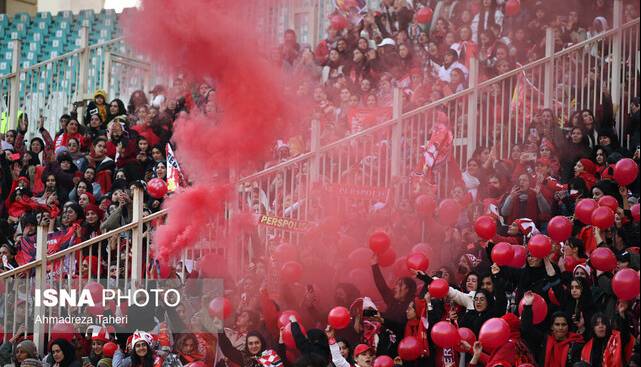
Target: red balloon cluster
[417,261]
[539,309]
[625,284]
[583,210]
[494,333]
[539,246]
[220,308]
[291,272]
[603,259]
[438,288]
[467,335]
[603,217]
[445,335]
[625,171]
[157,188]
[559,228]
[502,253]
[338,317]
[424,15]
[485,227]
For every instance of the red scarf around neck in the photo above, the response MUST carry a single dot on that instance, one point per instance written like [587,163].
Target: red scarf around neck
[556,352]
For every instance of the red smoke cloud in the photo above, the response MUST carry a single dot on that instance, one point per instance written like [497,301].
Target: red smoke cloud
[212,39]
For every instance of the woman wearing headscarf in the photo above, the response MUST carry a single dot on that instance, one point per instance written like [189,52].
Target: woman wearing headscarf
[116,108]
[585,169]
[22,350]
[98,106]
[608,347]
[62,354]
[255,354]
[575,149]
[141,353]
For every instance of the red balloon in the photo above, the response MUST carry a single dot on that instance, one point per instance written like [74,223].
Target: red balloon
[409,349]
[583,210]
[338,317]
[157,188]
[636,212]
[425,205]
[423,248]
[291,272]
[494,333]
[559,228]
[383,361]
[285,252]
[379,242]
[283,319]
[609,201]
[602,258]
[387,258]
[603,217]
[445,335]
[539,309]
[485,227]
[539,246]
[220,308]
[95,290]
[569,263]
[625,171]
[448,212]
[360,258]
[438,288]
[424,15]
[519,258]
[625,284]
[400,268]
[502,253]
[467,335]
[417,261]
[512,7]
[338,22]
[288,338]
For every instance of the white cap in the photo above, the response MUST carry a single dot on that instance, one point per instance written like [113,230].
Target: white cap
[387,42]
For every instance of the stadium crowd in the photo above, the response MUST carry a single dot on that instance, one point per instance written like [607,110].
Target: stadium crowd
[79,181]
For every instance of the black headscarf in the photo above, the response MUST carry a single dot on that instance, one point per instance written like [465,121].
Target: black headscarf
[68,351]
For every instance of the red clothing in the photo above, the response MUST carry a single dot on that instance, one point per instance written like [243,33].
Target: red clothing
[556,352]
[587,236]
[612,353]
[147,133]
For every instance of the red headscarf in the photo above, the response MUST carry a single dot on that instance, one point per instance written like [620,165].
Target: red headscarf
[417,327]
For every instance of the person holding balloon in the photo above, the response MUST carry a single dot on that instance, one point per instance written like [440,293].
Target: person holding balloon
[559,348]
[363,354]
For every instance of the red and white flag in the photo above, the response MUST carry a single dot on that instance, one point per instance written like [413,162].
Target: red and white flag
[174,174]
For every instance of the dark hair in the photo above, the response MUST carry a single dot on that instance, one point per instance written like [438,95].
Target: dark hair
[146,361]
[489,296]
[600,316]
[467,276]
[349,358]
[562,314]
[68,351]
[98,140]
[411,286]
[577,243]
[257,334]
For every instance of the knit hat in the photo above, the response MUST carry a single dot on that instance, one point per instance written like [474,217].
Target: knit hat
[141,336]
[28,347]
[588,165]
[94,208]
[585,268]
[100,92]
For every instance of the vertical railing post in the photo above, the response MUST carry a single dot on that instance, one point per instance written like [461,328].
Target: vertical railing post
[314,168]
[83,70]
[106,74]
[39,285]
[14,100]
[137,236]
[234,253]
[548,90]
[397,132]
[615,76]
[472,107]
